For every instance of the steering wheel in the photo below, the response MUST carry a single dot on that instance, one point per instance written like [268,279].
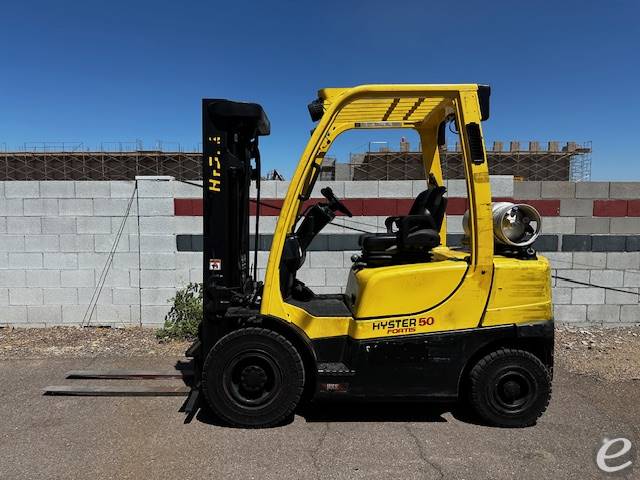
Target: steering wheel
[334,203]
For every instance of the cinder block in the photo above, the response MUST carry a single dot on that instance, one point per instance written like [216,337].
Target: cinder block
[161,261]
[631,278]
[105,243]
[624,190]
[163,224]
[454,224]
[157,296]
[75,207]
[267,190]
[572,207]
[4,298]
[587,296]
[113,314]
[130,224]
[12,207]
[42,243]
[456,189]
[186,190]
[181,277]
[13,278]
[579,276]
[395,189]
[312,276]
[600,314]
[592,190]
[57,189]
[268,225]
[560,259]
[614,297]
[125,261]
[75,314]
[25,260]
[115,278]
[48,314]
[336,276]
[191,225]
[570,313]
[558,189]
[324,259]
[607,278]
[156,206]
[59,225]
[60,296]
[502,186]
[625,224]
[623,260]
[4,260]
[592,225]
[157,243]
[337,187]
[281,189]
[76,243]
[40,207]
[30,225]
[558,224]
[126,296]
[589,260]
[153,315]
[12,243]
[576,243]
[105,296]
[43,278]
[561,295]
[419,186]
[77,278]
[118,207]
[157,278]
[92,260]
[195,275]
[361,189]
[630,314]
[14,315]
[327,290]
[155,188]
[22,189]
[527,190]
[25,296]
[61,261]
[94,225]
[121,189]
[92,189]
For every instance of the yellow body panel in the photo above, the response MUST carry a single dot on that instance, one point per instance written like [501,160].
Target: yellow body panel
[457,289]
[521,292]
[384,291]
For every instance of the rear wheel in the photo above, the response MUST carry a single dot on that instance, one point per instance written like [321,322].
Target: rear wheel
[510,388]
[253,377]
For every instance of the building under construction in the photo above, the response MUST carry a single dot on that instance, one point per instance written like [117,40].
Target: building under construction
[554,161]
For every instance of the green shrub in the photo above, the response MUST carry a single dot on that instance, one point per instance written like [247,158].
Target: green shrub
[185,315]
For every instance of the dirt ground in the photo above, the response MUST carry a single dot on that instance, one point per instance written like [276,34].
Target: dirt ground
[607,353]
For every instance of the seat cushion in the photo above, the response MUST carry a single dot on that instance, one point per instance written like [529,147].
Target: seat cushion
[378,242]
[424,239]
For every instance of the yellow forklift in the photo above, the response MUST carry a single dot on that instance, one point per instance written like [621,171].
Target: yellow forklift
[418,320]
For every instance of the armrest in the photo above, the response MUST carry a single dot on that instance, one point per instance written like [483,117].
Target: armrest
[389,223]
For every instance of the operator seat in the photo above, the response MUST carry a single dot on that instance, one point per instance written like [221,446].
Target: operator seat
[414,236]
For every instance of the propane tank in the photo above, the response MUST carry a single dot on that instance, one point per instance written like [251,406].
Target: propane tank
[514,224]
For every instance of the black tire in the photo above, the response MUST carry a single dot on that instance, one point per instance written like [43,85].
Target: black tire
[510,388]
[253,377]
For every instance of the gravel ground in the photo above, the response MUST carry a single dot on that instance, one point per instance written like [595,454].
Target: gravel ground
[73,342]
[608,353]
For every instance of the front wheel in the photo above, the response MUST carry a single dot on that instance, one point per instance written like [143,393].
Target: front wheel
[253,377]
[510,388]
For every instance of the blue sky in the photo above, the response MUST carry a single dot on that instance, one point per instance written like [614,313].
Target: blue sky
[115,71]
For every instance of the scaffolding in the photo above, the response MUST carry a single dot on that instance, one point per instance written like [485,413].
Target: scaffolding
[568,161]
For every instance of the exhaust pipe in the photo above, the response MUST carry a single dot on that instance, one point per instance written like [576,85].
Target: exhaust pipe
[514,224]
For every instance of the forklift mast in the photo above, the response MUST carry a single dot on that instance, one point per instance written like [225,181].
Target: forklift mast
[230,142]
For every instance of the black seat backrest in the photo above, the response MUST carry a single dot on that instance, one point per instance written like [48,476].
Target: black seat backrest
[431,202]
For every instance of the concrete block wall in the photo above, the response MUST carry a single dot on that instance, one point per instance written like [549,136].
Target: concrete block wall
[55,239]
